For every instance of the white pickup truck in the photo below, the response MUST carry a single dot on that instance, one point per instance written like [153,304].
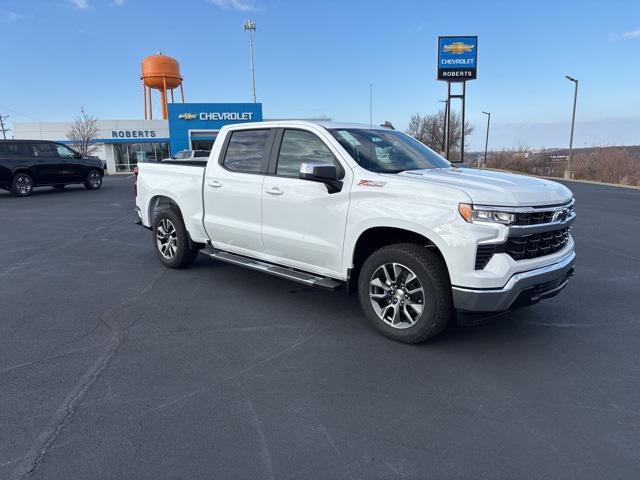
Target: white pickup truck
[373,209]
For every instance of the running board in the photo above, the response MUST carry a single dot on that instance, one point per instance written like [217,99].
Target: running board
[283,272]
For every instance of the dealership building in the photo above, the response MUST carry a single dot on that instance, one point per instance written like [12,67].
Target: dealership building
[122,144]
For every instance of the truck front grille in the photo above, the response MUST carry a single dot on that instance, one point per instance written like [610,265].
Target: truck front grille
[536,245]
[533,218]
[551,214]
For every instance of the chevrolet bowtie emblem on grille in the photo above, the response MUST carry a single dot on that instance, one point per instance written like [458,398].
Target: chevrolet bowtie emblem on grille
[560,215]
[458,48]
[187,116]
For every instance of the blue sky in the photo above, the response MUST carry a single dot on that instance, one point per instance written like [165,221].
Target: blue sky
[318,58]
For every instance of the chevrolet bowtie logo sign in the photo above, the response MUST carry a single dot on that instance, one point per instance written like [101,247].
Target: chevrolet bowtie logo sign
[457,58]
[458,48]
[187,116]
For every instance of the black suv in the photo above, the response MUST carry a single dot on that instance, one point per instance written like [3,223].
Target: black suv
[25,164]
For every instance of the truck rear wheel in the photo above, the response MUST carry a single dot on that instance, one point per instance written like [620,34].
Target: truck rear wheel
[171,240]
[21,185]
[405,292]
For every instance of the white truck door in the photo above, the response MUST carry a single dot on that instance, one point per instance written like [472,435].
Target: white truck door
[303,224]
[233,189]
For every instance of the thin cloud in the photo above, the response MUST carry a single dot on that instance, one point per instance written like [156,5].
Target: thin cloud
[12,17]
[631,34]
[118,3]
[241,5]
[80,4]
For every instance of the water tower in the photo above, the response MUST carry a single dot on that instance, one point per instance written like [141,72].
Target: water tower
[162,73]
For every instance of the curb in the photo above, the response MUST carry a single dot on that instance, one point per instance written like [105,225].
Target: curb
[559,179]
[591,182]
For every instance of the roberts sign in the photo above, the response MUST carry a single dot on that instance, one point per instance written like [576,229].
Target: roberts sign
[457,58]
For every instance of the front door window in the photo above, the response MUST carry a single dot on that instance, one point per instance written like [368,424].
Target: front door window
[64,152]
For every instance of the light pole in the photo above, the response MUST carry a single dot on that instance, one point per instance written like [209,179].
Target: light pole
[567,173]
[250,26]
[445,131]
[486,142]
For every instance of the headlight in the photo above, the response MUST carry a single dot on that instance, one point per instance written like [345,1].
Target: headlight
[473,214]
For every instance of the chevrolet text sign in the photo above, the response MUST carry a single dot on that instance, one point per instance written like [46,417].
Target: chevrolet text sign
[457,58]
[189,122]
[246,116]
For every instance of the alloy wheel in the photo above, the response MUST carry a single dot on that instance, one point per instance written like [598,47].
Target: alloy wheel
[23,185]
[167,238]
[396,295]
[94,179]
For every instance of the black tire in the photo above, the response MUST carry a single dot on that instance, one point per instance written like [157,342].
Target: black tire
[21,185]
[93,180]
[435,297]
[59,187]
[184,252]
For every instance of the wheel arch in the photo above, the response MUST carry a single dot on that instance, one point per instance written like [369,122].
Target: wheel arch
[377,237]
[26,170]
[94,167]
[159,203]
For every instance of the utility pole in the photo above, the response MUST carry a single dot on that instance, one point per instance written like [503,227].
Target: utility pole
[568,172]
[445,131]
[3,119]
[250,26]
[371,106]
[486,142]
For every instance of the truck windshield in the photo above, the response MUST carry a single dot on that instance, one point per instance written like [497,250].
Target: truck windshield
[387,151]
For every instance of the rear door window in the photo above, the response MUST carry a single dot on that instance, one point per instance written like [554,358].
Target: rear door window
[45,150]
[246,151]
[9,148]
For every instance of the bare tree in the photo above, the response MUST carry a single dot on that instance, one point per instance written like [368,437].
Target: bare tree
[83,134]
[429,129]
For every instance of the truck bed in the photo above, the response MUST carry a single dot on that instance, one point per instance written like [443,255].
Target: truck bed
[180,181]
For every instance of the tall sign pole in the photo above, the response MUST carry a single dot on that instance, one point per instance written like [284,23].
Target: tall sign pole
[457,62]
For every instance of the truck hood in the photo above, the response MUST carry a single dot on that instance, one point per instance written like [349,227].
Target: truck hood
[487,187]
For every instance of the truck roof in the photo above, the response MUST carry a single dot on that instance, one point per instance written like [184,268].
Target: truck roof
[23,140]
[323,123]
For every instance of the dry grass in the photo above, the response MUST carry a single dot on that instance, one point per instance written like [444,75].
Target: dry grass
[619,165]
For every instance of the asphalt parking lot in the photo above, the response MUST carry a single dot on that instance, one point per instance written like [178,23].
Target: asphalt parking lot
[114,367]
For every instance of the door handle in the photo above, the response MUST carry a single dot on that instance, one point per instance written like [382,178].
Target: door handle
[274,191]
[215,184]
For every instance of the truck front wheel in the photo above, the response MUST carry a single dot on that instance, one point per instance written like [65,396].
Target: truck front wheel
[171,240]
[405,292]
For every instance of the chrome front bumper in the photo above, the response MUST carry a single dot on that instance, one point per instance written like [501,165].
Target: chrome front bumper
[524,288]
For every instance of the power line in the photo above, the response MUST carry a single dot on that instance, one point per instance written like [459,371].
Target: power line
[15,112]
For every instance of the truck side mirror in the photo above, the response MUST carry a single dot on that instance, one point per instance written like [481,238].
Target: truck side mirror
[326,173]
[77,155]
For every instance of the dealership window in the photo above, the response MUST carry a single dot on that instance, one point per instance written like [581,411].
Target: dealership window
[128,155]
